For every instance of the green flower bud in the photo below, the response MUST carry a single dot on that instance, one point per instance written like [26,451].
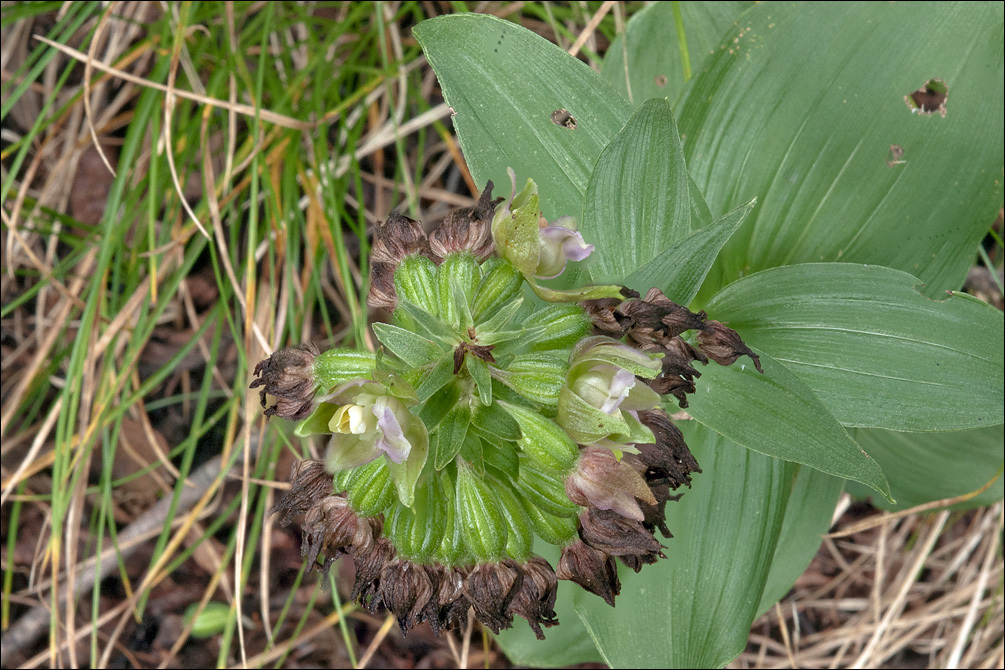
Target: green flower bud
[520,536]
[500,283]
[537,377]
[415,280]
[543,441]
[480,515]
[417,532]
[544,489]
[458,278]
[556,327]
[370,489]
[516,230]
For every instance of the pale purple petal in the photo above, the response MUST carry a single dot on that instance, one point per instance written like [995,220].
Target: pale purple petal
[558,246]
[392,441]
[621,385]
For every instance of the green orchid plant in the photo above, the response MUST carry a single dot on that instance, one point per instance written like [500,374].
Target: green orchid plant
[543,407]
[488,419]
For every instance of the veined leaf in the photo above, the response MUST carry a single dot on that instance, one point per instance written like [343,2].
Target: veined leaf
[680,269]
[503,83]
[637,202]
[873,349]
[700,601]
[803,106]
[777,414]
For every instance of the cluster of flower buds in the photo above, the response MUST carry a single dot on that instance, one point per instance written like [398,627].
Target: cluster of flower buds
[485,420]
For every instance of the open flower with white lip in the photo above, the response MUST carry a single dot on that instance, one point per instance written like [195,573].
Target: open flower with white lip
[602,394]
[524,238]
[369,423]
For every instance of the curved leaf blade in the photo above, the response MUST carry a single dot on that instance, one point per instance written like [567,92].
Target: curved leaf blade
[808,515]
[646,62]
[935,466]
[777,414]
[637,202]
[873,349]
[694,609]
[503,83]
[680,269]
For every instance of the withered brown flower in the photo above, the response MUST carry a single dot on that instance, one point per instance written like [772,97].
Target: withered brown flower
[535,599]
[591,568]
[288,374]
[309,485]
[406,590]
[490,587]
[723,345]
[466,229]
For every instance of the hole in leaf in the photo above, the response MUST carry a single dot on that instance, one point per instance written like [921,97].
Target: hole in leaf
[929,99]
[562,117]
[661,80]
[896,155]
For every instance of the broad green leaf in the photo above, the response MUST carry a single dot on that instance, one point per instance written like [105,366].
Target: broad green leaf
[414,349]
[700,214]
[637,202]
[680,269]
[800,109]
[694,609]
[873,349]
[646,60]
[935,466]
[808,515]
[503,83]
[564,645]
[777,414]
